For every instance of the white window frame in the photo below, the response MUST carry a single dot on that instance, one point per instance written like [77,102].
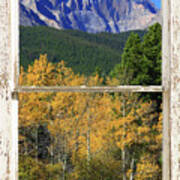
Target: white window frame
[9,89]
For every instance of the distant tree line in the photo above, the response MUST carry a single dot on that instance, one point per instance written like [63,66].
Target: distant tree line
[81,51]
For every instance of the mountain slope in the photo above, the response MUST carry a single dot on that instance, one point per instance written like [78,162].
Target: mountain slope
[80,50]
[89,15]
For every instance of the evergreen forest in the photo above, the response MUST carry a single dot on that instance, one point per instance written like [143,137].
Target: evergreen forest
[81,51]
[90,136]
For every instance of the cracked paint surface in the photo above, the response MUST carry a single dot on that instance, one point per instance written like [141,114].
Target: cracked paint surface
[175,90]
[4,103]
[7,106]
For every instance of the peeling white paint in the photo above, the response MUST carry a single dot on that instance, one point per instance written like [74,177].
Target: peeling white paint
[4,92]
[175,90]
[8,106]
[27,89]
[166,45]
[8,84]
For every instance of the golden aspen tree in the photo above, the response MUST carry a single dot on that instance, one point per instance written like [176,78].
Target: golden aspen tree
[92,135]
[35,108]
[143,136]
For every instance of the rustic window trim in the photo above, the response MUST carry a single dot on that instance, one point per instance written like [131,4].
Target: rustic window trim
[166,57]
[108,89]
[9,57]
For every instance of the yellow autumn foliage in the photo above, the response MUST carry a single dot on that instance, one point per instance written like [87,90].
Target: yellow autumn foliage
[91,125]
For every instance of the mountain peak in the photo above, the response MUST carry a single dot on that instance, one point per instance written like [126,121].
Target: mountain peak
[89,15]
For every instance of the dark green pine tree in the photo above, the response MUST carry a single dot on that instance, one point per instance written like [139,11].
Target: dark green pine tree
[127,71]
[141,61]
[152,59]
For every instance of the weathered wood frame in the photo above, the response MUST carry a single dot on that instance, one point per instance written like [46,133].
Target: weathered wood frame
[166,54]
[9,68]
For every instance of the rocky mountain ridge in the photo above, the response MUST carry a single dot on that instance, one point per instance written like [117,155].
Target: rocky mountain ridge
[89,15]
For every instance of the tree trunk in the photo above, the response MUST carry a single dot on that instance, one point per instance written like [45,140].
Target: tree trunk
[124,133]
[124,163]
[88,146]
[76,146]
[51,154]
[132,168]
[64,166]
[36,143]
[64,159]
[88,140]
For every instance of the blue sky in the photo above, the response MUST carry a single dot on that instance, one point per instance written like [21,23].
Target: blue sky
[157,3]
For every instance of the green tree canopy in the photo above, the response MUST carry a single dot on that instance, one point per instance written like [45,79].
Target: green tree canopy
[128,69]
[141,60]
[152,60]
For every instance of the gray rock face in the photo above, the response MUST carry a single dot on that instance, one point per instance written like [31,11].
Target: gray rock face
[89,15]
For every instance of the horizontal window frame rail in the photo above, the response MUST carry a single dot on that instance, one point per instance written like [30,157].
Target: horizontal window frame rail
[129,88]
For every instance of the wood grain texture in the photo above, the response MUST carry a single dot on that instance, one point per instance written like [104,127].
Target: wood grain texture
[166,46]
[108,89]
[5,103]
[175,90]
[8,84]
[27,89]
[8,106]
